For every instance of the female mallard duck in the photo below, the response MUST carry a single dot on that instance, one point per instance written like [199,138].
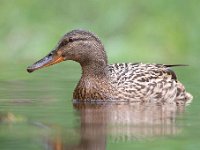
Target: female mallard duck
[117,82]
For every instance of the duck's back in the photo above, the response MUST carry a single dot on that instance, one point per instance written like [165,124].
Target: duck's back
[146,83]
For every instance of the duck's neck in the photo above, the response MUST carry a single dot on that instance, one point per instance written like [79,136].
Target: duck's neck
[93,80]
[95,68]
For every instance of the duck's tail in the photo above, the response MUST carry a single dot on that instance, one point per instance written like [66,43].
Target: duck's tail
[182,97]
[176,65]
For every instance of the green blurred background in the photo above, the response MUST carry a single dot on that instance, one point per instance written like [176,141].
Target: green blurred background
[155,31]
[131,30]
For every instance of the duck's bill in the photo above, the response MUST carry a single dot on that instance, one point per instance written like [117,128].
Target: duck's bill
[48,60]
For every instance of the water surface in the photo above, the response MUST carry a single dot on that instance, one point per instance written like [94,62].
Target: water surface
[37,113]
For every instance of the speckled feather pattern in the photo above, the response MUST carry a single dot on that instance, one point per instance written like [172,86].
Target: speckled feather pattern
[143,82]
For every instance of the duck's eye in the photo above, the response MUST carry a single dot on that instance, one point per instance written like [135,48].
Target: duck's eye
[70,39]
[66,41]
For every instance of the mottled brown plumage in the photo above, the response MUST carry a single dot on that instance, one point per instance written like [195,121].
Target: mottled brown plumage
[123,82]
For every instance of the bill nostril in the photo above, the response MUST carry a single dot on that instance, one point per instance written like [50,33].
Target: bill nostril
[50,54]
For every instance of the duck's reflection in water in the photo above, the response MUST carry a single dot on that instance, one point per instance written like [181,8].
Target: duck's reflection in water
[119,123]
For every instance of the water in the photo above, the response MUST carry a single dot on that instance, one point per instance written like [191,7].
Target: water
[36,113]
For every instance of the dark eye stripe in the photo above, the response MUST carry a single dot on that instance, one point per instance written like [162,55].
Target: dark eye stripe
[69,40]
[63,43]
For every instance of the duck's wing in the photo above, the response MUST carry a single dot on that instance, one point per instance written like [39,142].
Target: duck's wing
[138,72]
[148,81]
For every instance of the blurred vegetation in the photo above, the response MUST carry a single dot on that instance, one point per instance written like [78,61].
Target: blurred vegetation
[131,30]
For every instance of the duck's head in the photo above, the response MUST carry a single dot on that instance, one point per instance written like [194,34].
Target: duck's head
[78,45]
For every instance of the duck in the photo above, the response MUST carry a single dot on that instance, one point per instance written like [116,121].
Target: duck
[119,82]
